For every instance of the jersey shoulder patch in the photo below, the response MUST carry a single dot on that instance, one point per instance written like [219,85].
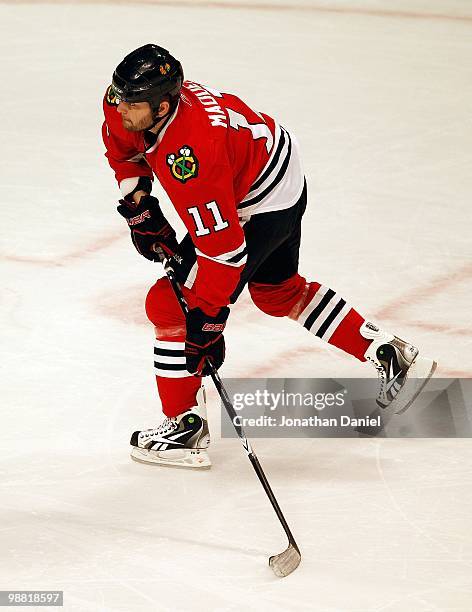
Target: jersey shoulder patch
[110,97]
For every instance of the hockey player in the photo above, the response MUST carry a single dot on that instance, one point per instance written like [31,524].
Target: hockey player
[235,178]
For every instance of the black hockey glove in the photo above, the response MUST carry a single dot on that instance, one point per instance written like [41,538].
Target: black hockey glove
[148,227]
[205,340]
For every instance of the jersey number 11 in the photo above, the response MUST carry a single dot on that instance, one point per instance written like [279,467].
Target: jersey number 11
[200,229]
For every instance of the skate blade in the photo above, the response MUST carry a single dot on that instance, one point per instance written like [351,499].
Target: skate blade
[186,458]
[418,377]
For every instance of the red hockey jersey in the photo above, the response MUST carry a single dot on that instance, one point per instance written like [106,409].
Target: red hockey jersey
[219,162]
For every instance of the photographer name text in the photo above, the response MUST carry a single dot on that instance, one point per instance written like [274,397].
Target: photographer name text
[311,421]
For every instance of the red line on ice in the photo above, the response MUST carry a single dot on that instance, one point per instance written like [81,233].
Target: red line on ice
[68,258]
[261,6]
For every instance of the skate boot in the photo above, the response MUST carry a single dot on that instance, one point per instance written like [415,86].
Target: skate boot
[402,371]
[180,441]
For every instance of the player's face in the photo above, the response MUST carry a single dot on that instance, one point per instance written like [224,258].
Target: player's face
[135,116]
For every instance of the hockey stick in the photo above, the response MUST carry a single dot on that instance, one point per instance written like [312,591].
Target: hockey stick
[287,561]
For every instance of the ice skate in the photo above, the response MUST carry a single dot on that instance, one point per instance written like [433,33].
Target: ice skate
[180,441]
[403,373]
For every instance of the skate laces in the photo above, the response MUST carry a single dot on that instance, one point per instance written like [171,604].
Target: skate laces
[168,424]
[382,374]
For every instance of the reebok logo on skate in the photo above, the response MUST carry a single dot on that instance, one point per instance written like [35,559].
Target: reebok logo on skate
[392,381]
[391,370]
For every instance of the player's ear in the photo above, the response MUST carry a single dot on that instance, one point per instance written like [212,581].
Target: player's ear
[164,108]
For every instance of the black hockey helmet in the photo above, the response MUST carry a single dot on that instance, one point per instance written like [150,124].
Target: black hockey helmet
[147,75]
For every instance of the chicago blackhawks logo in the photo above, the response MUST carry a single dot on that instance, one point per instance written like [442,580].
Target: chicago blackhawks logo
[184,164]
[111,97]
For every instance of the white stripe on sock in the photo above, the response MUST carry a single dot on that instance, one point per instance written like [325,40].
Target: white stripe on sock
[315,300]
[173,346]
[177,360]
[317,323]
[335,324]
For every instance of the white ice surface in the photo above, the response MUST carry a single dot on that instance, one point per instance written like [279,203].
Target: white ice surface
[381,106]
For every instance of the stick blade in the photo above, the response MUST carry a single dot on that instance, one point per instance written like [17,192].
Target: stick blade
[286,562]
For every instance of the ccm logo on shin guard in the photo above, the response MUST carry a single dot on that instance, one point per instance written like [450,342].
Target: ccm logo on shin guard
[213,327]
[139,218]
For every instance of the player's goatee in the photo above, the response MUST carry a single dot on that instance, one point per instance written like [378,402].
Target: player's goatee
[136,127]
